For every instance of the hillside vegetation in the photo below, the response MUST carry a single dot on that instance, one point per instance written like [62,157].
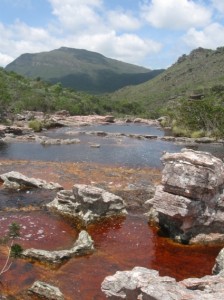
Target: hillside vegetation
[195,73]
[81,70]
[18,93]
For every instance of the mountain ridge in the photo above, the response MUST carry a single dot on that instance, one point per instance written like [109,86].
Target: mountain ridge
[81,69]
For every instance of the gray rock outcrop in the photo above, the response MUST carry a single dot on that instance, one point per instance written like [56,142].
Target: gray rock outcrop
[219,264]
[43,290]
[83,245]
[16,180]
[145,284]
[88,203]
[189,203]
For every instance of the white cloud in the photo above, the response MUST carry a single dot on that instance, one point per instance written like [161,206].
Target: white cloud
[20,38]
[126,47]
[211,37]
[123,20]
[219,5]
[5,59]
[75,14]
[175,14]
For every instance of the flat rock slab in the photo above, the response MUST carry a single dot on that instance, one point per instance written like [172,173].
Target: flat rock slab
[16,180]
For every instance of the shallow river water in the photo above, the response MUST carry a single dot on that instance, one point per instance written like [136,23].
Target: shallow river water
[122,163]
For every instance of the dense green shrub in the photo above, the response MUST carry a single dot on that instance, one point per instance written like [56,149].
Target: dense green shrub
[35,125]
[201,117]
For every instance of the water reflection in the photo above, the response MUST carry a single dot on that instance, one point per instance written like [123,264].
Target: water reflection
[123,150]
[129,151]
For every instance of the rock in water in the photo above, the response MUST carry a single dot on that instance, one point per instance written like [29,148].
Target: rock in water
[189,204]
[16,180]
[88,203]
[43,290]
[146,284]
[83,245]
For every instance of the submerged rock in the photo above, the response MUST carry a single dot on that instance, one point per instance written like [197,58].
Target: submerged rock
[43,290]
[16,180]
[83,245]
[88,203]
[142,283]
[189,204]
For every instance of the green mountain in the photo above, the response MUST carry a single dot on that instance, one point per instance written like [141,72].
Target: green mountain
[81,70]
[192,74]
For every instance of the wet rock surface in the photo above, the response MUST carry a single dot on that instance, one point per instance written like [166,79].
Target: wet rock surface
[88,203]
[16,180]
[83,245]
[43,290]
[142,283]
[189,202]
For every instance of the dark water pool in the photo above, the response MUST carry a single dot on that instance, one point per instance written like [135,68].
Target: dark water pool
[126,152]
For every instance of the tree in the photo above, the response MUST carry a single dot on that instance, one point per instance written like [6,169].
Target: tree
[14,250]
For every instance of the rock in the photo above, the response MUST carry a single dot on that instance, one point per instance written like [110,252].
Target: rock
[83,245]
[88,203]
[14,130]
[142,283]
[48,141]
[208,239]
[189,204]
[194,174]
[92,145]
[219,263]
[43,290]
[109,119]
[16,180]
[63,113]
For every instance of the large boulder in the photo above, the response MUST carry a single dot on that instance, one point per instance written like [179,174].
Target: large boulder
[83,245]
[146,284]
[16,180]
[43,290]
[88,203]
[194,174]
[189,203]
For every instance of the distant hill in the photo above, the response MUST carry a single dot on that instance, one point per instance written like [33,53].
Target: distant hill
[81,70]
[192,74]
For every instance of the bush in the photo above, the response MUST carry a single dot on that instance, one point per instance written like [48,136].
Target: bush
[16,251]
[179,131]
[198,134]
[35,125]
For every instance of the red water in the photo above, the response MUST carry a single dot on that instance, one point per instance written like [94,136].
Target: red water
[121,244]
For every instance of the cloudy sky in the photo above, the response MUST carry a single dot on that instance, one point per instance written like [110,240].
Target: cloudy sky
[151,33]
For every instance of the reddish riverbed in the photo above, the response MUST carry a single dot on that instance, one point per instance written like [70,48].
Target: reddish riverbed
[120,243]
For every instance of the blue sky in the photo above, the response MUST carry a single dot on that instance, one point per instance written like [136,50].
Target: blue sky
[150,33]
